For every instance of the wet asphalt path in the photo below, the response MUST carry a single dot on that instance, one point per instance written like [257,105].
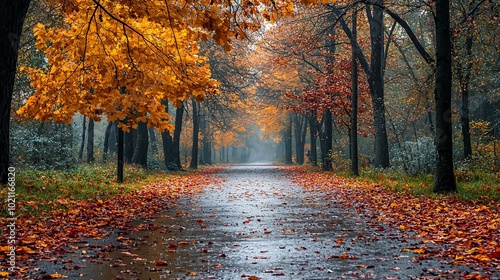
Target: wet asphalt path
[256,224]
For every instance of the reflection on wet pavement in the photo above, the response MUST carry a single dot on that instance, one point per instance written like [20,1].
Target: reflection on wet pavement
[257,224]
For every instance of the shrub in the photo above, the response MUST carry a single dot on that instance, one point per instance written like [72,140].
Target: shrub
[415,157]
[42,145]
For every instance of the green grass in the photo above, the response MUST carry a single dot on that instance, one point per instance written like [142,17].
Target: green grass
[36,189]
[478,186]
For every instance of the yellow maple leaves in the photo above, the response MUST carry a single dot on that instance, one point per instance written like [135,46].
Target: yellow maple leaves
[99,65]
[120,59]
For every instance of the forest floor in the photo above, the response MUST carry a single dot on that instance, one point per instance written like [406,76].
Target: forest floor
[259,222]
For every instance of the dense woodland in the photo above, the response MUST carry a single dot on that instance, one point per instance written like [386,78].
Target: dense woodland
[411,86]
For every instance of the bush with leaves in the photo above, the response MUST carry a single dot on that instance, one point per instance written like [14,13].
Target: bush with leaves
[44,145]
[415,157]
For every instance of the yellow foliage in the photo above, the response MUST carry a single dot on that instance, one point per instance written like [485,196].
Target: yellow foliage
[98,66]
[271,121]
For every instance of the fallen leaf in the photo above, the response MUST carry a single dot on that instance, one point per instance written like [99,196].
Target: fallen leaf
[161,263]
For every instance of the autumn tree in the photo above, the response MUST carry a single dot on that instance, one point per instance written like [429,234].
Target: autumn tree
[230,115]
[324,74]
[445,179]
[471,29]
[97,22]
[288,51]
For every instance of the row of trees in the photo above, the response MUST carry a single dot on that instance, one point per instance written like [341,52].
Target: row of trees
[356,58]
[118,62]
[346,67]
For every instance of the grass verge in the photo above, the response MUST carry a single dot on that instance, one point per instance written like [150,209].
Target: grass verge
[477,186]
[36,190]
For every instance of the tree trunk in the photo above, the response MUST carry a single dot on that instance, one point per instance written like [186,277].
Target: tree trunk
[327,115]
[152,140]
[464,88]
[328,138]
[167,143]
[376,84]
[84,131]
[140,155]
[288,141]
[113,137]
[120,154]
[196,130]
[129,140]
[167,147]
[445,178]
[354,105]
[107,135]
[313,129]
[206,152]
[90,142]
[176,160]
[12,15]
[303,135]
[299,125]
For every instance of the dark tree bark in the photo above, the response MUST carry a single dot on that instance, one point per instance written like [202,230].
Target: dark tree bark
[152,140]
[327,115]
[167,147]
[113,137]
[196,130]
[110,140]
[354,105]
[206,152]
[303,135]
[376,84]
[288,141]
[167,143]
[176,160]
[82,143]
[140,155]
[464,79]
[328,138]
[90,142]
[445,178]
[300,132]
[12,15]
[129,141]
[107,134]
[313,130]
[120,154]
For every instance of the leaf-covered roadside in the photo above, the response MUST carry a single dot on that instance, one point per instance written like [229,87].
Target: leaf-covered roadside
[467,233]
[42,236]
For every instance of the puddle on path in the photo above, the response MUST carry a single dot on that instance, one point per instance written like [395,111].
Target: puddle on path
[257,224]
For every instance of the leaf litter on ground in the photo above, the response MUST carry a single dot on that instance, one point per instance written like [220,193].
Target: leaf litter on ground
[54,232]
[460,232]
